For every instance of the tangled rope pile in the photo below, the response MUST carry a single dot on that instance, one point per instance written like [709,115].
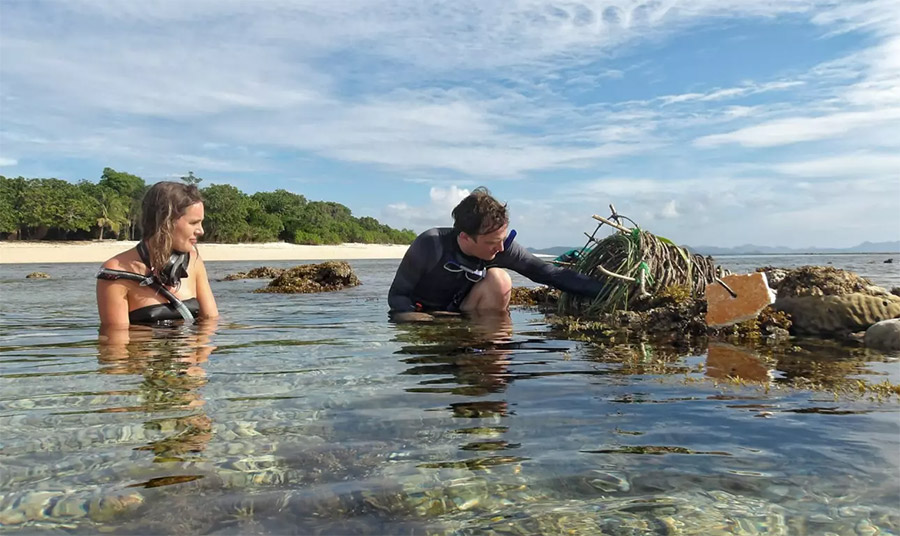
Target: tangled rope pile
[636,265]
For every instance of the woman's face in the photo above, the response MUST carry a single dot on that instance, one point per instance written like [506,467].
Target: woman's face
[188,228]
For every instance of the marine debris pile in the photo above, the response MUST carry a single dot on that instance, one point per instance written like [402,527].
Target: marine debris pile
[636,266]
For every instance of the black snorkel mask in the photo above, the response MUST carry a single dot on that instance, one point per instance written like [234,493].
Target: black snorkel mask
[171,273]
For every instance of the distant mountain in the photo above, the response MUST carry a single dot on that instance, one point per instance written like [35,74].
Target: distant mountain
[752,249]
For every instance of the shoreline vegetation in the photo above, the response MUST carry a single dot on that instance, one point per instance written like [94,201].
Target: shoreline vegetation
[54,209]
[52,252]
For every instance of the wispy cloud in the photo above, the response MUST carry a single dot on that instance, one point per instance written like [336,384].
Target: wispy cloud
[802,129]
[869,165]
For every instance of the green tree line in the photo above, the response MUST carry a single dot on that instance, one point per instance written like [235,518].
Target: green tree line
[37,209]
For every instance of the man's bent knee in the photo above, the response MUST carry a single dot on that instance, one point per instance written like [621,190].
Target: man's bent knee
[491,293]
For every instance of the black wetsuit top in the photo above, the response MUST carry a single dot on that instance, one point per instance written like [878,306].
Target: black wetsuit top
[162,311]
[423,280]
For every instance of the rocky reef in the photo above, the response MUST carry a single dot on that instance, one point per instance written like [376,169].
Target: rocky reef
[819,301]
[262,272]
[37,275]
[311,278]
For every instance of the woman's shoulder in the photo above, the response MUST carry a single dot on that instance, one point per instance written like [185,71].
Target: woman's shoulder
[128,261]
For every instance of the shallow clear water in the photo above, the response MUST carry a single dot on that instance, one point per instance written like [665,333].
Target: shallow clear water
[313,414]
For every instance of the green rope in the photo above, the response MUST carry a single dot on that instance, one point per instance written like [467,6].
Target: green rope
[636,235]
[643,271]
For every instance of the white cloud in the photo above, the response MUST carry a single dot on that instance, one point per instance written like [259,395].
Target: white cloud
[447,198]
[730,93]
[435,213]
[801,129]
[8,161]
[861,165]
[669,210]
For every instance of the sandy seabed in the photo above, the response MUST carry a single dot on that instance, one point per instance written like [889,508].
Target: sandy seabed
[95,251]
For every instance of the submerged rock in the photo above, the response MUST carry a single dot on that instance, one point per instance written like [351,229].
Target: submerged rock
[37,275]
[64,506]
[884,335]
[262,272]
[311,278]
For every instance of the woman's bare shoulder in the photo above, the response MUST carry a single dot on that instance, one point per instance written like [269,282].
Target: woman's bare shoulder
[128,261]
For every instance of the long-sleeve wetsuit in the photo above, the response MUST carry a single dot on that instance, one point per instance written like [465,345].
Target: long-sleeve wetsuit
[423,283]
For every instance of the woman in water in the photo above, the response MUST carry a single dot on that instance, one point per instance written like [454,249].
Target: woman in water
[163,277]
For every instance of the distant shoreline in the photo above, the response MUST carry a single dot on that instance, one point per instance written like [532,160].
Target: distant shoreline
[42,252]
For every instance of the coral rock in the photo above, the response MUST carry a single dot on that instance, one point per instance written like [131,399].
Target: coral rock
[836,315]
[262,272]
[310,278]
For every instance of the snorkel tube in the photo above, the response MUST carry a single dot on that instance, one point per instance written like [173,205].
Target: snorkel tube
[148,281]
[509,239]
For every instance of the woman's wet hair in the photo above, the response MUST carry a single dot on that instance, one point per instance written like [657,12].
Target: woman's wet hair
[479,213]
[163,204]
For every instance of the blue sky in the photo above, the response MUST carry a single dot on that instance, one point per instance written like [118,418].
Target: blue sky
[710,122]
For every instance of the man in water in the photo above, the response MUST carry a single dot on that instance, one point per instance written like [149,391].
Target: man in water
[460,268]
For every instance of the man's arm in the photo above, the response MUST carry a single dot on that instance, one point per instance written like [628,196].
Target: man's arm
[412,268]
[520,260]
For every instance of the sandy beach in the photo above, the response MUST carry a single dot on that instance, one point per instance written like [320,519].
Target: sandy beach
[97,252]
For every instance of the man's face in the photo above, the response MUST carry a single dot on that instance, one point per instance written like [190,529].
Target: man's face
[485,246]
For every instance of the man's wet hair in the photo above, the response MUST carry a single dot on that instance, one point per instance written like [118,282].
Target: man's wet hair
[479,213]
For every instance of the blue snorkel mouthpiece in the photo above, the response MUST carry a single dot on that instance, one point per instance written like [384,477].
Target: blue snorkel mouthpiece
[509,239]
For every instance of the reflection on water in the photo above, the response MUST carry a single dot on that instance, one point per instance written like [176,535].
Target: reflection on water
[170,359]
[725,361]
[314,414]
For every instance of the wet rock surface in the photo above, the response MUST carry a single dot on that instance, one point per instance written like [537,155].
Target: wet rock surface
[37,275]
[884,335]
[826,301]
[311,278]
[262,272]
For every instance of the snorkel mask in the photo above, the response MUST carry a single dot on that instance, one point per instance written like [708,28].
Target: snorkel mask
[171,273]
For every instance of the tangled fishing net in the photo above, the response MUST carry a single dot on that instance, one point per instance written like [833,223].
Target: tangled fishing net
[635,266]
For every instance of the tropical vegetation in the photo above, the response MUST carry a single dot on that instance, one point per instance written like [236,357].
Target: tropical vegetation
[38,209]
